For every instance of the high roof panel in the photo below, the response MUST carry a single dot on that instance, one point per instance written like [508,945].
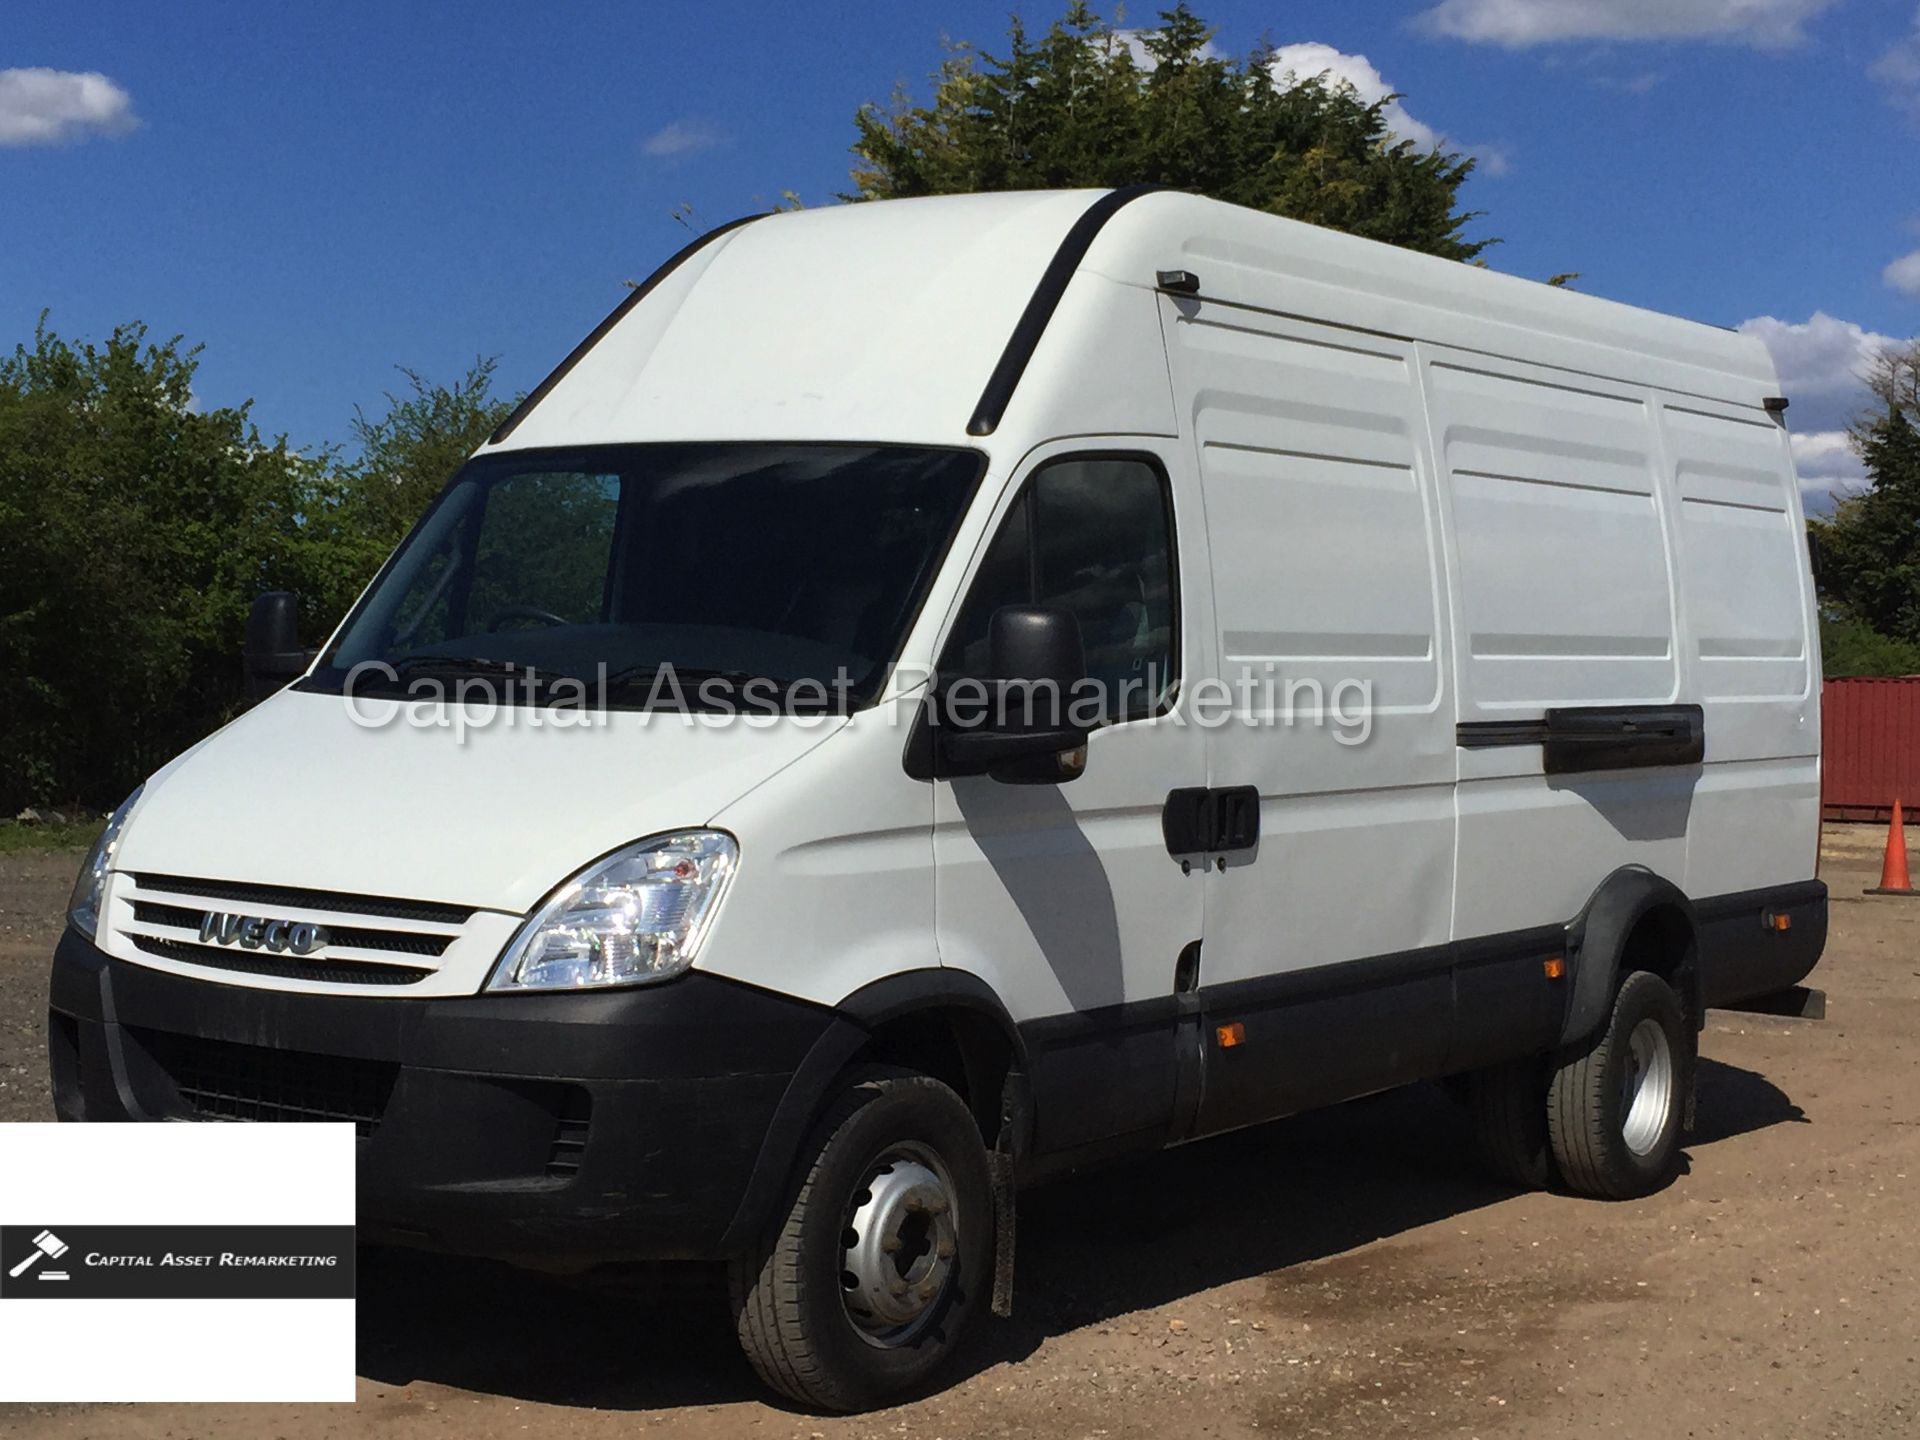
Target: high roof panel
[883,321]
[877,321]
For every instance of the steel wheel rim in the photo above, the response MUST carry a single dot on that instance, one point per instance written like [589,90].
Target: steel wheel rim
[899,1245]
[1646,1087]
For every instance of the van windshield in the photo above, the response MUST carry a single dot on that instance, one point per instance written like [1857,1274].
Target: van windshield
[642,571]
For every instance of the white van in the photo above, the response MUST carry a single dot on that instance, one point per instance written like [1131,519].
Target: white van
[679,852]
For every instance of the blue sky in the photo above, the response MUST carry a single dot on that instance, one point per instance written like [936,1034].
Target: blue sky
[320,194]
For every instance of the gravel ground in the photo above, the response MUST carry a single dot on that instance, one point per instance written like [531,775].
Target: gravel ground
[1344,1274]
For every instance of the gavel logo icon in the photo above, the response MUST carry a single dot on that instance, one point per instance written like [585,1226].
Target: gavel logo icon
[44,1244]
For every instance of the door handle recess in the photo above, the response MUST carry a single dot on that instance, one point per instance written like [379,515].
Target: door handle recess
[1198,820]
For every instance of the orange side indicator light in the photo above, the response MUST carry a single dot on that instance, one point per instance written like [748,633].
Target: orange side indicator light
[1556,967]
[1230,1035]
[1781,922]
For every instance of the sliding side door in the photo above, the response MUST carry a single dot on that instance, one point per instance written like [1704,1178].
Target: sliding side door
[1326,935]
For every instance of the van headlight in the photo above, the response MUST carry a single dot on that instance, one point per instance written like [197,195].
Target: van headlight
[636,916]
[90,890]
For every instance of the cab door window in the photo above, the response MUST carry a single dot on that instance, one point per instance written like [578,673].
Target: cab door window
[1094,536]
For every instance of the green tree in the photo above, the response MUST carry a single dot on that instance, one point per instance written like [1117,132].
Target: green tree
[1852,647]
[404,455]
[426,434]
[1870,545]
[1074,108]
[135,530]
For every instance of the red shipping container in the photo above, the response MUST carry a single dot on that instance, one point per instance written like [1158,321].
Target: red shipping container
[1870,745]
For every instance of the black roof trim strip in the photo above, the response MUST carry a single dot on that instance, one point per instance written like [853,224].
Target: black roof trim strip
[1046,299]
[639,293]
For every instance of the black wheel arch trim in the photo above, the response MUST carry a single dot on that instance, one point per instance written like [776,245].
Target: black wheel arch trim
[806,1095]
[1597,942]
[893,997]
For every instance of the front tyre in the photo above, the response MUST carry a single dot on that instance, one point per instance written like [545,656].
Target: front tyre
[1615,1111]
[882,1257]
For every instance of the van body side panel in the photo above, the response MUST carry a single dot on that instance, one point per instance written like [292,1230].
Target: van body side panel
[835,888]
[1743,567]
[1562,573]
[1103,349]
[1322,528]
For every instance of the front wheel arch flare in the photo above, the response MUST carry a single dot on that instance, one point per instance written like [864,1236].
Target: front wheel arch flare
[931,993]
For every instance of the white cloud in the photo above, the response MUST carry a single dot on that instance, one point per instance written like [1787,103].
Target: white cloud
[1823,365]
[681,138]
[1899,70]
[1637,84]
[1827,464]
[39,106]
[1495,160]
[1904,274]
[1767,24]
[1311,60]
[1308,61]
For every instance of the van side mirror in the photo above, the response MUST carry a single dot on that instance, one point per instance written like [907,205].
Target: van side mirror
[272,652]
[1017,726]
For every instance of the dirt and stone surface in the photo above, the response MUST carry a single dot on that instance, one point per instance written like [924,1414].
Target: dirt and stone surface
[1342,1274]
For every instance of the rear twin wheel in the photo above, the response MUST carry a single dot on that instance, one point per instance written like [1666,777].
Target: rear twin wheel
[1607,1118]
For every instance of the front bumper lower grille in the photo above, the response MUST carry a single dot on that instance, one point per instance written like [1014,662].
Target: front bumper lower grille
[222,1080]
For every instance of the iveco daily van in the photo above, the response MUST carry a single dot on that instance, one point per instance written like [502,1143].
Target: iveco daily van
[685,847]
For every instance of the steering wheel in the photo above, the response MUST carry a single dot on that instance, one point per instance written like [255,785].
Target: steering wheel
[524,612]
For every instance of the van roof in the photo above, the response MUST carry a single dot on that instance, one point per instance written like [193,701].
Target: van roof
[887,321]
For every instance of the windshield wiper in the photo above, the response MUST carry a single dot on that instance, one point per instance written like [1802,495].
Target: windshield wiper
[687,678]
[454,665]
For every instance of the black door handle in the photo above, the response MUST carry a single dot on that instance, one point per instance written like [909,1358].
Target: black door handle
[1197,820]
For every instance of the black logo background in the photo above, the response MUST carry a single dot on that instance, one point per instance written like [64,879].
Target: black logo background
[189,1282]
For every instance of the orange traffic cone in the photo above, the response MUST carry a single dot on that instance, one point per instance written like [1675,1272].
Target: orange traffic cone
[1893,870]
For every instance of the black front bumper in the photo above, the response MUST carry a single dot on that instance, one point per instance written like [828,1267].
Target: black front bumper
[560,1130]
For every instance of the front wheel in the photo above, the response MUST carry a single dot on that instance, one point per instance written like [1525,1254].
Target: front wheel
[1615,1111]
[881,1258]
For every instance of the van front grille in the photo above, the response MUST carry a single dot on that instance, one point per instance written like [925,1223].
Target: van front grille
[222,1080]
[286,967]
[399,942]
[361,940]
[285,896]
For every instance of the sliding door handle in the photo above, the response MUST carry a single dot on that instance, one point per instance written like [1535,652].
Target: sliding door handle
[1196,820]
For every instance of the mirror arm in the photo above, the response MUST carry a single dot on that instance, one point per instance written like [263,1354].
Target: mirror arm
[985,752]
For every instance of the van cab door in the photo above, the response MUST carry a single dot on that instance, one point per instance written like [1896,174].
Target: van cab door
[1063,897]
